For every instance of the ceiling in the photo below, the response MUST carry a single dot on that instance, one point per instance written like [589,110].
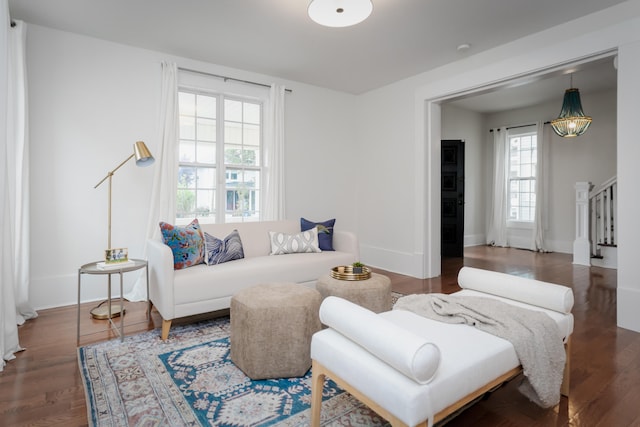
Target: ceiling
[590,77]
[400,39]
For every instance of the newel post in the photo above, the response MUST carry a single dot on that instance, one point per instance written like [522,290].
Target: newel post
[582,246]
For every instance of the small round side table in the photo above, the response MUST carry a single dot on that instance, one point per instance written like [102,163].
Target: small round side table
[92,268]
[373,293]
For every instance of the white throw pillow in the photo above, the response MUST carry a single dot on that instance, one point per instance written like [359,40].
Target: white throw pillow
[303,242]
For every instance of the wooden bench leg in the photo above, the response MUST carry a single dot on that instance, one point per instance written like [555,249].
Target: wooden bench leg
[166,325]
[317,387]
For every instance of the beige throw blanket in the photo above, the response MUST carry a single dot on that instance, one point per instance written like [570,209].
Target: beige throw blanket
[534,335]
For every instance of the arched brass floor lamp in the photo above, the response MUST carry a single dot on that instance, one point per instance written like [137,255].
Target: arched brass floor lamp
[143,158]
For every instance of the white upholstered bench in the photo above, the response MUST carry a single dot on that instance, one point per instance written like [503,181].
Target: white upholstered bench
[415,371]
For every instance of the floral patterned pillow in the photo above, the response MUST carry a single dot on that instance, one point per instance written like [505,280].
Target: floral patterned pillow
[186,243]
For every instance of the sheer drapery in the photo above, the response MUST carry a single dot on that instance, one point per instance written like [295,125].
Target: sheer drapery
[162,206]
[497,233]
[542,187]
[274,203]
[14,188]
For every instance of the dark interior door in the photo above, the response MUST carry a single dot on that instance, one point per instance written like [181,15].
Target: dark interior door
[452,198]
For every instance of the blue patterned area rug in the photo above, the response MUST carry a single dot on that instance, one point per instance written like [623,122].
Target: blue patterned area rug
[189,380]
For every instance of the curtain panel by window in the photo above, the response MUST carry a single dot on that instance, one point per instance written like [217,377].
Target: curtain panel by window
[14,187]
[497,233]
[542,189]
[274,206]
[162,206]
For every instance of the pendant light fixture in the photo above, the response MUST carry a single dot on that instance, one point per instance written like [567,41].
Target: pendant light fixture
[572,121]
[339,13]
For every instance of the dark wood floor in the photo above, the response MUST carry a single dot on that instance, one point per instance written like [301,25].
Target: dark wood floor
[42,386]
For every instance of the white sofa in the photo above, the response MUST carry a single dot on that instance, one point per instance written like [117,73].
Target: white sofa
[202,288]
[416,371]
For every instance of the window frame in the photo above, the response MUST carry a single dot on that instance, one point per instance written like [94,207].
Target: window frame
[525,131]
[220,166]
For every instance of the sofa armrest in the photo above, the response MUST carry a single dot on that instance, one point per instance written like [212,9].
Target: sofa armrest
[346,241]
[161,273]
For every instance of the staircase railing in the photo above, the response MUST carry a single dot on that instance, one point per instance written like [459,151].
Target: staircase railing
[603,215]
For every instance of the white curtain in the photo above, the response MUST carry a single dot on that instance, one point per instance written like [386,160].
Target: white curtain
[14,187]
[274,202]
[162,206]
[542,187]
[497,234]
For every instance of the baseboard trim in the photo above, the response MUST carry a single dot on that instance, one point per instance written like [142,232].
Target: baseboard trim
[410,264]
[628,303]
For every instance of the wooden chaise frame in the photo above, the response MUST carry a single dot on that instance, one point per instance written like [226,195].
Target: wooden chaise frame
[320,372]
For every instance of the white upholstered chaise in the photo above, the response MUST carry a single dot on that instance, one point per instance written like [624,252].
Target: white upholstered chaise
[416,371]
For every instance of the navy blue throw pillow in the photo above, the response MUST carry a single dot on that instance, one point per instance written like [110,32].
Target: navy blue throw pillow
[325,232]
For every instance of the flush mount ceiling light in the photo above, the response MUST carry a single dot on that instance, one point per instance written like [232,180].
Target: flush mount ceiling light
[339,13]
[572,121]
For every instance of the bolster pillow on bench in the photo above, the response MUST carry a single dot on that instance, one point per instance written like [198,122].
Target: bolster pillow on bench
[541,294]
[405,351]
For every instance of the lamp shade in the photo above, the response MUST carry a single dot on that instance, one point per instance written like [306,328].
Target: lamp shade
[142,153]
[339,13]
[572,121]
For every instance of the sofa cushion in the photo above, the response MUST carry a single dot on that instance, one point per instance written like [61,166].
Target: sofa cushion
[202,283]
[303,242]
[325,232]
[186,243]
[218,251]
[255,235]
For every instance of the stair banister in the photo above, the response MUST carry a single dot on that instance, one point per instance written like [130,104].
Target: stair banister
[582,245]
[603,210]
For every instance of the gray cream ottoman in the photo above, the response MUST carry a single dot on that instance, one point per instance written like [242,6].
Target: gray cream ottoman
[373,293]
[271,329]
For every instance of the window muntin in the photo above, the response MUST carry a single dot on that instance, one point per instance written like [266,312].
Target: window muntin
[219,182]
[523,155]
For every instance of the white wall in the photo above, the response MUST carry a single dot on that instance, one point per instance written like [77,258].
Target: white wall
[628,292]
[458,123]
[389,222]
[90,100]
[590,157]
[409,110]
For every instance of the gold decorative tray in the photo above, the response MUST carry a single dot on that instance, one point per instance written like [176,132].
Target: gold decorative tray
[345,272]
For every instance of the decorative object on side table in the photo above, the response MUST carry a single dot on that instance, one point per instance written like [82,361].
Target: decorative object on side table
[114,259]
[346,272]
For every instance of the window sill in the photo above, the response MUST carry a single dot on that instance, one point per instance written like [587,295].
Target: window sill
[526,225]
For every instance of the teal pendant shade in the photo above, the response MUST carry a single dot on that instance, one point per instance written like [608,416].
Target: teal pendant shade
[572,121]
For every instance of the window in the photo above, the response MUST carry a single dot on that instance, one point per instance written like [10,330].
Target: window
[523,155]
[220,158]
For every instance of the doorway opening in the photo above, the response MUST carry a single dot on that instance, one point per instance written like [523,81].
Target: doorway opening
[452,198]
